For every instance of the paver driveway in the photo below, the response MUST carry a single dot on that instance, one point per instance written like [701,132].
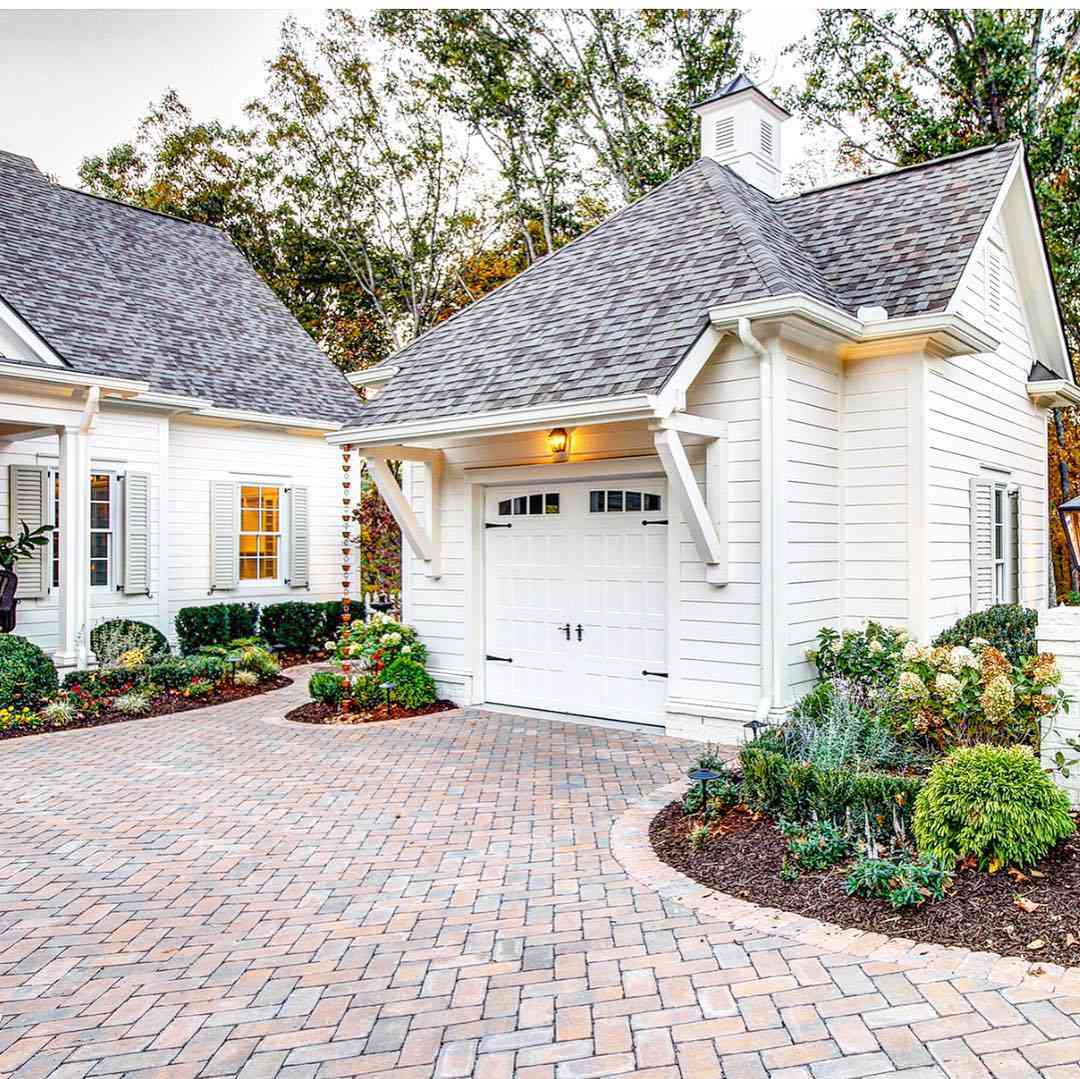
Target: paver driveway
[213,894]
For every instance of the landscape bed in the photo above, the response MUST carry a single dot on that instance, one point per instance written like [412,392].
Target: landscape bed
[322,713]
[980,911]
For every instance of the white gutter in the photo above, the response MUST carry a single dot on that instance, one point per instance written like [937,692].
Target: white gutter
[269,419]
[745,334]
[62,376]
[1053,393]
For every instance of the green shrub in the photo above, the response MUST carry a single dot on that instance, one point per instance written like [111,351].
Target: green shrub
[1010,628]
[134,703]
[198,688]
[212,669]
[112,639]
[413,686]
[217,623]
[815,844]
[332,610]
[870,658]
[365,692]
[720,794]
[105,681]
[27,675]
[993,804]
[377,643]
[699,837]
[901,883]
[800,791]
[219,650]
[295,624]
[255,659]
[172,673]
[326,687]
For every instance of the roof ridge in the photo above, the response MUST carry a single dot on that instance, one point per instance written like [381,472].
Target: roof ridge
[506,285]
[135,206]
[1012,143]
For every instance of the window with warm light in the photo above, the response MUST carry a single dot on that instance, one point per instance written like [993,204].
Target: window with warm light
[260,532]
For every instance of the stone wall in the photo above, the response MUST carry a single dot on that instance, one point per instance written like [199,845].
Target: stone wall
[1059,632]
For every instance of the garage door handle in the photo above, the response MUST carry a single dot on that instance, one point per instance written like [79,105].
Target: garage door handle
[499,659]
[580,631]
[655,674]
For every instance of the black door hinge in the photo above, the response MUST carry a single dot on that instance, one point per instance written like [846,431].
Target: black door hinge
[654,522]
[655,674]
[488,524]
[499,659]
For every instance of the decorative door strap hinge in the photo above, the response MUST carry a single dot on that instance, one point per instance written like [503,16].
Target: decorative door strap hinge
[499,659]
[655,674]
[488,524]
[654,522]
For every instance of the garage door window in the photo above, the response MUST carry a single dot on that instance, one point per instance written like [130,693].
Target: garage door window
[530,505]
[624,502]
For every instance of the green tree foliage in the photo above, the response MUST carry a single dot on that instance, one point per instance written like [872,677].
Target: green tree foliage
[902,86]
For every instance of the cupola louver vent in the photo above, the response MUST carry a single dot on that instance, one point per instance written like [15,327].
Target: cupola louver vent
[725,134]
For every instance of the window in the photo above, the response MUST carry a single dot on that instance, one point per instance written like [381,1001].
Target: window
[624,502]
[103,528]
[999,545]
[530,505]
[260,532]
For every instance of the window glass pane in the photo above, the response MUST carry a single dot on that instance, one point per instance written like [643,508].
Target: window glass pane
[504,508]
[652,503]
[99,515]
[614,501]
[268,545]
[521,504]
[270,520]
[249,520]
[596,501]
[99,572]
[551,502]
[99,488]
[536,503]
[633,501]
[249,544]
[248,568]
[268,569]
[271,497]
[249,497]
[99,545]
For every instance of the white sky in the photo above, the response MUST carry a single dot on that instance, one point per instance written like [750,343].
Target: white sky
[74,83]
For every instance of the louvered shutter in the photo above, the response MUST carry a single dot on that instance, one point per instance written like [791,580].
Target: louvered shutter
[28,501]
[223,539]
[299,538]
[982,544]
[1014,546]
[136,534]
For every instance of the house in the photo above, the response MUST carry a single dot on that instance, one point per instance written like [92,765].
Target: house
[643,474]
[162,410]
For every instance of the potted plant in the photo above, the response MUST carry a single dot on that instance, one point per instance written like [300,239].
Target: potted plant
[14,549]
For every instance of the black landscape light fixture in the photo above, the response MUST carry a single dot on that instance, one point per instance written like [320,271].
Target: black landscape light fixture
[704,776]
[1070,522]
[389,687]
[755,726]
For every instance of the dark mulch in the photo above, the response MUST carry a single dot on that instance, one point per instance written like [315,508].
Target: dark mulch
[166,704]
[980,913]
[327,714]
[290,658]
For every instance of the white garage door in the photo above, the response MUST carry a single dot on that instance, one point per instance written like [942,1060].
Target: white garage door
[576,598]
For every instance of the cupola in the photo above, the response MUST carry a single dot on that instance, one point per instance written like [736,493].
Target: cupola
[740,127]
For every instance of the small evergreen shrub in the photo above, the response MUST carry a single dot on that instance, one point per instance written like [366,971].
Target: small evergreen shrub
[113,640]
[255,659]
[295,624]
[365,692]
[171,673]
[326,687]
[1010,628]
[27,676]
[332,610]
[212,669]
[720,794]
[901,883]
[216,623]
[993,804]
[413,686]
[816,844]
[105,681]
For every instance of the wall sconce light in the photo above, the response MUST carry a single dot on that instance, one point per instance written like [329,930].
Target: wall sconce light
[558,441]
[1070,521]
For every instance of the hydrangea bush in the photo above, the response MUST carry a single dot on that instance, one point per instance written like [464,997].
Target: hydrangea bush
[869,657]
[377,643]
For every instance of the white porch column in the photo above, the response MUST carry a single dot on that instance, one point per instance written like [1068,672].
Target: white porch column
[74,612]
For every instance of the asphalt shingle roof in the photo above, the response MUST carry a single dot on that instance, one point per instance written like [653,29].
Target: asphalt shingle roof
[123,292]
[614,312]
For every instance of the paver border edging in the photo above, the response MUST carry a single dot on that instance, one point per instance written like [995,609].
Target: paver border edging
[632,850]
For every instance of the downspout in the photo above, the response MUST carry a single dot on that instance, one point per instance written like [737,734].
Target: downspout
[765,379]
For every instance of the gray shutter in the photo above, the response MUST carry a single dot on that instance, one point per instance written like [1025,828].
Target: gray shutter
[136,534]
[299,538]
[982,544]
[28,502]
[223,536]
[1014,546]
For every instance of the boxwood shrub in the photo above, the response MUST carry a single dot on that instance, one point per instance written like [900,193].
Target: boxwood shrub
[295,624]
[1010,628]
[413,686]
[326,687]
[800,791]
[27,675]
[216,623]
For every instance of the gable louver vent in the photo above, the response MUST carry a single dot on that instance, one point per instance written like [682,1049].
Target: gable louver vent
[993,280]
[766,138]
[725,134]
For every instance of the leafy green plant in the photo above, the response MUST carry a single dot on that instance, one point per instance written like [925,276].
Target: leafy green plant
[378,642]
[106,681]
[15,549]
[211,669]
[217,623]
[699,837]
[332,610]
[255,659]
[789,871]
[903,882]
[136,702]
[198,688]
[172,673]
[118,637]
[365,693]
[815,844]
[297,625]
[245,678]
[60,711]
[992,804]
[413,686]
[1008,627]
[720,794]
[326,687]
[27,675]
[14,718]
[869,658]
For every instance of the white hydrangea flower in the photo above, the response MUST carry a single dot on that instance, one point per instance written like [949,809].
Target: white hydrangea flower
[876,648]
[978,643]
[837,647]
[947,686]
[912,687]
[961,657]
[914,652]
[406,649]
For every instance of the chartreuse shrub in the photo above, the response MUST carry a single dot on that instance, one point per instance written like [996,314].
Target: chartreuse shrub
[326,687]
[27,675]
[1010,628]
[217,623]
[991,803]
[413,686]
[123,642]
[295,624]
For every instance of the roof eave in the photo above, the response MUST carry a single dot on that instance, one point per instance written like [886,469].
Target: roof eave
[1053,393]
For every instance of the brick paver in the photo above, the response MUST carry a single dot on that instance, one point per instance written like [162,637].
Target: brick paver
[213,894]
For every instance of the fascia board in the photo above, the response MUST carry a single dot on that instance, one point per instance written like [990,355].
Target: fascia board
[63,376]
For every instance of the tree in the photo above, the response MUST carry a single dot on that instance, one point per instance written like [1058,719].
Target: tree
[903,86]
